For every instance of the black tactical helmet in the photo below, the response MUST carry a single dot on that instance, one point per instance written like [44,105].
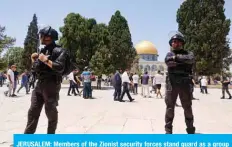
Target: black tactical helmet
[49,31]
[177,37]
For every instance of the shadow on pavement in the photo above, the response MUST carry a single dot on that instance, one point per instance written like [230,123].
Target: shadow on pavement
[90,98]
[94,88]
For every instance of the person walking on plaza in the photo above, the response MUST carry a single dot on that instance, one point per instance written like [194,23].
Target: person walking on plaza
[135,81]
[204,83]
[158,80]
[24,82]
[154,88]
[225,87]
[117,83]
[87,89]
[141,82]
[49,65]
[131,85]
[99,80]
[71,84]
[179,63]
[145,85]
[199,81]
[10,81]
[16,80]
[125,82]
[1,79]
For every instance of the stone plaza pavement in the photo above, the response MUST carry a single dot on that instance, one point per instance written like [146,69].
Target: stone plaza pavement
[103,115]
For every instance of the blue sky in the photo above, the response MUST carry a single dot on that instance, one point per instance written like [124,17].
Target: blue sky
[150,20]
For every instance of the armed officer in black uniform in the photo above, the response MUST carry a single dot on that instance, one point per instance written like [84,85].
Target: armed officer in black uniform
[49,66]
[178,80]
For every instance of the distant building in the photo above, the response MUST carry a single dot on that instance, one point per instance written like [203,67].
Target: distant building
[149,58]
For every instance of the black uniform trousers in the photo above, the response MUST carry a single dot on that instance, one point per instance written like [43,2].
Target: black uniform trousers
[125,91]
[45,93]
[185,95]
[117,92]
[191,90]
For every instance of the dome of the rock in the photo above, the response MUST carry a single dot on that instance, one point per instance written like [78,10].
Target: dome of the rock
[146,47]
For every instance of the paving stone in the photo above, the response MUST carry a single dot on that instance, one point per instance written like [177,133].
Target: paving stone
[105,129]
[138,126]
[103,115]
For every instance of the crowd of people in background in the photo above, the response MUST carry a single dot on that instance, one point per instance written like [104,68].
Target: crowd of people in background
[85,78]
[74,83]
[11,78]
[126,83]
[123,83]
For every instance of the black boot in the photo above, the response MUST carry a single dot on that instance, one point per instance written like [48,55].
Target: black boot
[168,133]
[168,130]
[191,130]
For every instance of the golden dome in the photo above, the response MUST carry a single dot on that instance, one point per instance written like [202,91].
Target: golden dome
[146,47]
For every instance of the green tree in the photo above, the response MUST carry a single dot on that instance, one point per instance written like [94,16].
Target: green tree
[31,43]
[100,61]
[205,27]
[78,36]
[103,48]
[5,43]
[121,50]
[14,56]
